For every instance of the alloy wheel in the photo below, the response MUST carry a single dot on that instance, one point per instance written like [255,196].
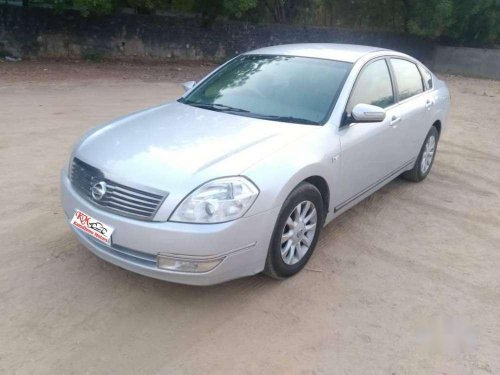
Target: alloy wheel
[428,155]
[298,232]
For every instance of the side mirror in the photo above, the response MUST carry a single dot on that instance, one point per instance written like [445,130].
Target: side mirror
[368,113]
[188,85]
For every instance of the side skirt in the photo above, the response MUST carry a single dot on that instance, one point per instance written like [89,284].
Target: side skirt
[344,206]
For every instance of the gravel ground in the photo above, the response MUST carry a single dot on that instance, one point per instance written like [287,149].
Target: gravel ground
[407,282]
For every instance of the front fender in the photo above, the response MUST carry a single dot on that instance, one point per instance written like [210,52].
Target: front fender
[277,175]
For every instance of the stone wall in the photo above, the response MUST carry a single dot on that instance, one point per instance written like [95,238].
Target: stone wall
[38,32]
[475,62]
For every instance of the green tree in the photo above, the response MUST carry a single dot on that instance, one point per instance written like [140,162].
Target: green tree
[431,18]
[285,11]
[465,21]
[211,9]
[87,7]
[471,22]
[476,21]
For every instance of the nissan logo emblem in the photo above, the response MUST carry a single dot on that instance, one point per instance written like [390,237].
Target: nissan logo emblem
[98,190]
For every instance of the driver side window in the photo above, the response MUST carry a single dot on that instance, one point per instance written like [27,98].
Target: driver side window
[373,86]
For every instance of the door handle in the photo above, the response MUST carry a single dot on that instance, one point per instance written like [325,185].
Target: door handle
[394,121]
[428,104]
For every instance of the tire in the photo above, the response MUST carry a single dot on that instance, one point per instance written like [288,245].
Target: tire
[301,238]
[421,169]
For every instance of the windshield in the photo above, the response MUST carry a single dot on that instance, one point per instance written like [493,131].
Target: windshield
[281,88]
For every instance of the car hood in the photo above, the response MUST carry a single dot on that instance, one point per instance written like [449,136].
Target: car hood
[174,147]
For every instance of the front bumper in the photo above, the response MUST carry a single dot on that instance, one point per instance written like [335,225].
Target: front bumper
[242,243]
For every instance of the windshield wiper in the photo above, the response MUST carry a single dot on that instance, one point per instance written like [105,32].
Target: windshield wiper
[217,107]
[226,108]
[295,120]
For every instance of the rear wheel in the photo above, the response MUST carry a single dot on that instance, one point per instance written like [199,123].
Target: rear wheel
[425,158]
[296,232]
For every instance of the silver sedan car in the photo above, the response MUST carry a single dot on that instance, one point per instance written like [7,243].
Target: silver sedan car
[240,174]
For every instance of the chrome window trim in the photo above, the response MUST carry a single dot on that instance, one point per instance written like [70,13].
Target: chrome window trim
[397,102]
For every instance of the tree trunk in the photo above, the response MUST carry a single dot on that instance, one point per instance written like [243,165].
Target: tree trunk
[406,15]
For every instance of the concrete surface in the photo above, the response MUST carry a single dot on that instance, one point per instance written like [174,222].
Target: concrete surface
[473,62]
[407,282]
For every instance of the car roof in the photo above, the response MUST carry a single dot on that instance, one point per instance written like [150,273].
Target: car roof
[332,51]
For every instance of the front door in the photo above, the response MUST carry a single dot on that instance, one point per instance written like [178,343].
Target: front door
[369,151]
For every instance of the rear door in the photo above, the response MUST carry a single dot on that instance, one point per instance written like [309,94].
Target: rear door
[430,98]
[369,150]
[413,107]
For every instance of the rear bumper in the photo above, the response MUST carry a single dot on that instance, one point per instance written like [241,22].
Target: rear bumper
[242,243]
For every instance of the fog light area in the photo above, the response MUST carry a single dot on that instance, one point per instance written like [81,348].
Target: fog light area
[187,265]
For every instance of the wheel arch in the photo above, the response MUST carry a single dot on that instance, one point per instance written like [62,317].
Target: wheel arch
[273,194]
[437,124]
[322,185]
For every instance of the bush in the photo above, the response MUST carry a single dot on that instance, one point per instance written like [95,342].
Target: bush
[473,22]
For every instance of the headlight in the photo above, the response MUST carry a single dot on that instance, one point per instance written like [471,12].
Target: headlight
[217,201]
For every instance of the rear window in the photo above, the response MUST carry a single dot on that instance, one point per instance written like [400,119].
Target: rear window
[408,78]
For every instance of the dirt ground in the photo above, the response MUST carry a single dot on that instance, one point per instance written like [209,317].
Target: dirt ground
[407,282]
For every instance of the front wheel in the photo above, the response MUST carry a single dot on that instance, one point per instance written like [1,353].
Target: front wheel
[296,232]
[425,158]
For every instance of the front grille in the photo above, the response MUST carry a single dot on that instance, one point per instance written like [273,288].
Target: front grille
[118,198]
